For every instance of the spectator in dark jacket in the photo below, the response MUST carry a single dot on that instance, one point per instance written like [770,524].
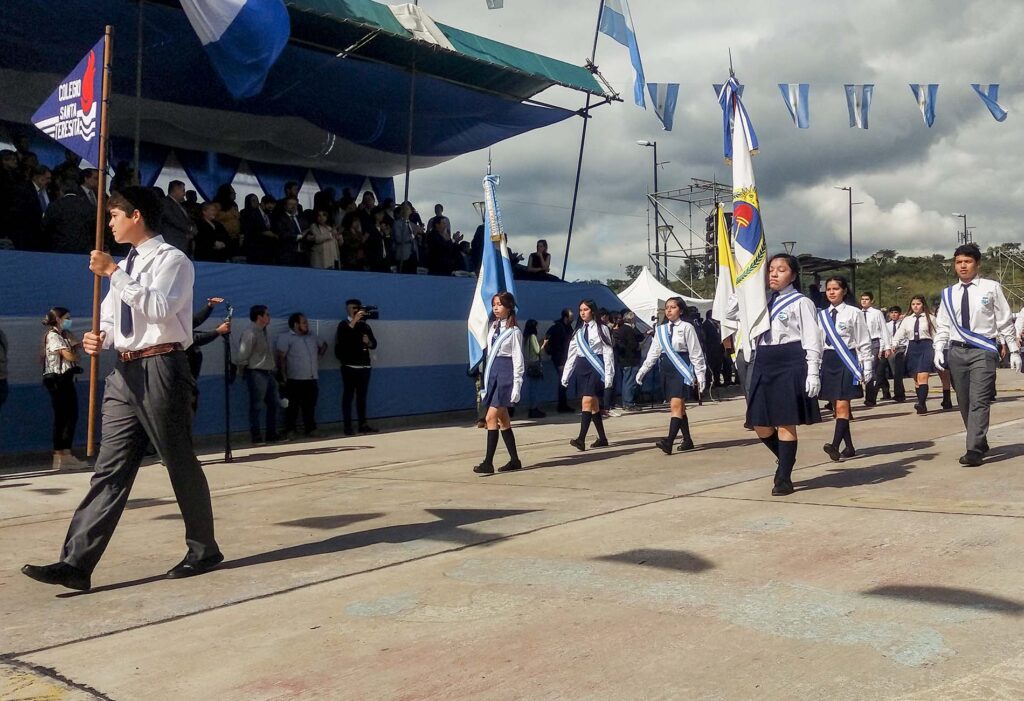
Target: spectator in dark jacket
[70,222]
[212,240]
[628,356]
[202,338]
[558,337]
[352,345]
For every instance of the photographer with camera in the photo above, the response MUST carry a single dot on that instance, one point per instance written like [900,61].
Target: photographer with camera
[352,345]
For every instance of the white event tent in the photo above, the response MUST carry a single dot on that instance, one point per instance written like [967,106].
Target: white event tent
[645,297]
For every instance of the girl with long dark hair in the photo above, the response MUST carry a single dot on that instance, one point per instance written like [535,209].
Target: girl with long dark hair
[846,361]
[784,379]
[676,346]
[917,329]
[591,358]
[60,365]
[503,381]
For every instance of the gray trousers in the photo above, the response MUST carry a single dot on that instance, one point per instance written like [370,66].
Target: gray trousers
[144,400]
[895,366]
[973,372]
[871,393]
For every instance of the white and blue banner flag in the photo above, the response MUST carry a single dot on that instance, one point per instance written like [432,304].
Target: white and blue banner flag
[494,276]
[243,39]
[926,96]
[989,94]
[664,96]
[71,114]
[730,100]
[795,96]
[617,23]
[718,90]
[858,101]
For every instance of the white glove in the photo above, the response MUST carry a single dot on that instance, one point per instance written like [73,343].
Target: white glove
[867,373]
[700,386]
[640,380]
[515,395]
[565,383]
[1015,361]
[940,359]
[812,386]
[609,384]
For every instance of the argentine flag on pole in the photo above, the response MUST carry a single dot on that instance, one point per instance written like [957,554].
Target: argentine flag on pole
[796,97]
[858,101]
[617,23]
[494,276]
[664,97]
[926,96]
[243,39]
[750,248]
[990,96]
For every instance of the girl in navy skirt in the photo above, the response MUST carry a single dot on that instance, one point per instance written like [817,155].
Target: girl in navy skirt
[591,360]
[682,372]
[846,361]
[503,381]
[784,375]
[917,329]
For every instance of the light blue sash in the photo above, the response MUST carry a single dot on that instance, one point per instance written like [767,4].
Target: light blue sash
[587,352]
[783,302]
[673,355]
[976,340]
[492,354]
[845,354]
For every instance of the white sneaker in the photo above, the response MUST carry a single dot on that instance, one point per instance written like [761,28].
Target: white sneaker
[614,412]
[68,463]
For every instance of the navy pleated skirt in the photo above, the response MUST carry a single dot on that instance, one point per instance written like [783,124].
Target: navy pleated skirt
[777,396]
[837,381]
[588,382]
[920,357]
[499,384]
[672,382]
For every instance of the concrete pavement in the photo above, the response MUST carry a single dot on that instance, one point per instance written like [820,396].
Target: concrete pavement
[381,567]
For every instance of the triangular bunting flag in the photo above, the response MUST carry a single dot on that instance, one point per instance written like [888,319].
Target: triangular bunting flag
[990,96]
[858,101]
[795,96]
[926,96]
[664,97]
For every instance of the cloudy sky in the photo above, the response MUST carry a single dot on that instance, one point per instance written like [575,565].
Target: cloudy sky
[910,178]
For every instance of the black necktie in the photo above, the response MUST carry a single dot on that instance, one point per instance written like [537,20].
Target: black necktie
[834,313]
[965,308]
[917,327]
[497,332]
[671,328]
[773,300]
[894,325]
[586,334]
[126,312]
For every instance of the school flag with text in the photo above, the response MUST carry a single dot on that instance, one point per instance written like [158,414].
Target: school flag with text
[750,249]
[494,276]
[71,115]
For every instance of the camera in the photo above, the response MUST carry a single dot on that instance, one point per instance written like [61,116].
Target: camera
[370,312]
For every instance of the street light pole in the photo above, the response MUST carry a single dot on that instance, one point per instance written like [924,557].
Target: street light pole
[657,211]
[853,265]
[966,231]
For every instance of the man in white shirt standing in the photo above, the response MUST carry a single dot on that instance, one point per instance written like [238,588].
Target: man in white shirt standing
[881,347]
[973,317]
[147,318]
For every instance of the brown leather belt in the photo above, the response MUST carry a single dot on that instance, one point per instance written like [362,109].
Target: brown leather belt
[161,349]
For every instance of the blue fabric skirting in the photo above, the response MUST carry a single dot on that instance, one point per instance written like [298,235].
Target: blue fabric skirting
[499,384]
[588,382]
[777,380]
[920,357]
[672,382]
[836,379]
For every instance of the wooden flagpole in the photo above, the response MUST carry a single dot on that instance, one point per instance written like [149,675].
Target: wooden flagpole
[101,223]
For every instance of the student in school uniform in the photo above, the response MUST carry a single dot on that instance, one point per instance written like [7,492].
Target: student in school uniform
[973,316]
[895,365]
[917,331]
[847,360]
[682,364]
[881,346]
[784,379]
[591,360]
[503,381]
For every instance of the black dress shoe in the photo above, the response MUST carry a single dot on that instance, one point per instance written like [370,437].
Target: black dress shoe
[600,443]
[191,568]
[971,458]
[510,466]
[870,403]
[484,468]
[848,452]
[578,444]
[782,488]
[946,405]
[686,444]
[900,400]
[367,428]
[665,445]
[59,573]
[921,410]
[983,448]
[833,452]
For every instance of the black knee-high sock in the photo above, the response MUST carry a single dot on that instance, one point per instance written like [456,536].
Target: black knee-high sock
[840,433]
[772,443]
[673,428]
[492,445]
[585,418]
[599,425]
[848,437]
[946,396]
[510,443]
[922,395]
[685,426]
[787,458]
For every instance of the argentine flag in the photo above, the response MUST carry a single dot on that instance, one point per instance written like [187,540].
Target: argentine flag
[617,23]
[796,97]
[243,39]
[858,101]
[495,274]
[664,96]
[990,96]
[926,96]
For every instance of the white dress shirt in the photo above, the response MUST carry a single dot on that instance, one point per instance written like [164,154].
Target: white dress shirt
[877,329]
[797,323]
[511,347]
[1018,325]
[990,314]
[684,340]
[851,329]
[905,333]
[600,343]
[159,292]
[893,326]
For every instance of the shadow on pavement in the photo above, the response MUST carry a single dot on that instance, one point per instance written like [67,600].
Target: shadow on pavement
[678,560]
[327,450]
[590,455]
[50,491]
[862,414]
[950,596]
[873,450]
[856,477]
[1004,452]
[114,587]
[328,523]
